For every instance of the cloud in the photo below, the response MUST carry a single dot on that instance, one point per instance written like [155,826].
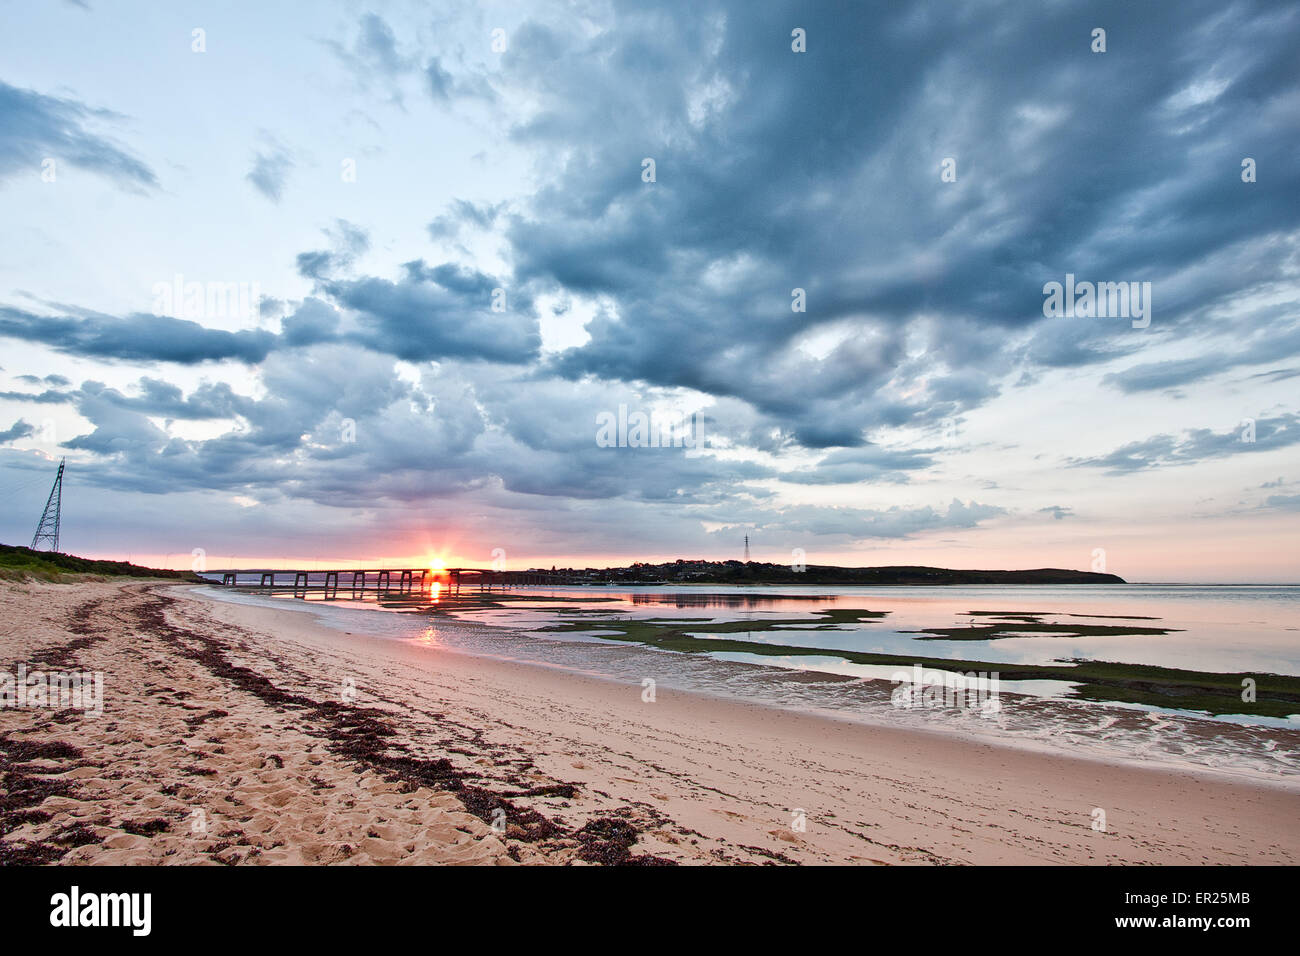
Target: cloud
[19,429]
[863,523]
[1270,342]
[775,171]
[444,311]
[699,265]
[348,241]
[35,128]
[429,313]
[158,397]
[867,463]
[376,46]
[1199,444]
[440,83]
[270,172]
[374,55]
[58,381]
[339,428]
[48,397]
[461,213]
[136,337]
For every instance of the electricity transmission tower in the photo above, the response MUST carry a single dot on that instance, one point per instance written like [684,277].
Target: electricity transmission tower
[48,529]
[747,549]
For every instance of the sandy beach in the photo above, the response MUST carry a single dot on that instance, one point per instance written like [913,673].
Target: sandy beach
[237,734]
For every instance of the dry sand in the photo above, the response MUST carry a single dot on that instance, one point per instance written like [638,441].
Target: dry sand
[239,734]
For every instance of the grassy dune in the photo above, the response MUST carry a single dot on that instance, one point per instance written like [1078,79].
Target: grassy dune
[17,563]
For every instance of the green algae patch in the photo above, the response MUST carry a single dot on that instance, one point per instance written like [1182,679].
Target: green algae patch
[1276,695]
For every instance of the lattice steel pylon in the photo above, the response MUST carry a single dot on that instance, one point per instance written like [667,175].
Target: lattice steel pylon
[747,549]
[48,529]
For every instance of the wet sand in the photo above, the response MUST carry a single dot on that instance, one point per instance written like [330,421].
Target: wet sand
[238,734]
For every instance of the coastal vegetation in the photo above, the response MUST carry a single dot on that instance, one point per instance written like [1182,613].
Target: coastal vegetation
[17,562]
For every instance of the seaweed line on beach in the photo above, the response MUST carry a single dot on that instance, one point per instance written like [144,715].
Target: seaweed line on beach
[23,787]
[363,735]
[24,784]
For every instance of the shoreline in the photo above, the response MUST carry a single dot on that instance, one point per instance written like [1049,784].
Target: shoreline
[589,772]
[975,733]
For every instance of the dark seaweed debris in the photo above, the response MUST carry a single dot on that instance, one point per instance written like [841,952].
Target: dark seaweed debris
[146,828]
[22,789]
[362,734]
[609,840]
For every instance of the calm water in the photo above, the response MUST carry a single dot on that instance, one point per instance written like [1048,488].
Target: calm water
[1253,629]
[1212,628]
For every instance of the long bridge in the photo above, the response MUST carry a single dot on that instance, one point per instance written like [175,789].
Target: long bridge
[357,582]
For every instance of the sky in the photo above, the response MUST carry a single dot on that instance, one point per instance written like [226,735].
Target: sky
[339,283]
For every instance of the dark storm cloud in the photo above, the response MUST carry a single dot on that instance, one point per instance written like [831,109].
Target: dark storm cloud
[311,323]
[55,380]
[820,171]
[774,171]
[431,312]
[35,127]
[48,397]
[142,338]
[272,439]
[136,337]
[1199,444]
[19,429]
[157,397]
[443,311]
[338,426]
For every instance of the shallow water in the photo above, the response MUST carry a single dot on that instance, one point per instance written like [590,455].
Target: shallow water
[1228,629]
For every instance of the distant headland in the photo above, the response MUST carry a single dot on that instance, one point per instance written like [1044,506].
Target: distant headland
[46,564]
[760,572]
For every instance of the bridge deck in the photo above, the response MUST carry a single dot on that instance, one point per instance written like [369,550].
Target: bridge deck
[359,581]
